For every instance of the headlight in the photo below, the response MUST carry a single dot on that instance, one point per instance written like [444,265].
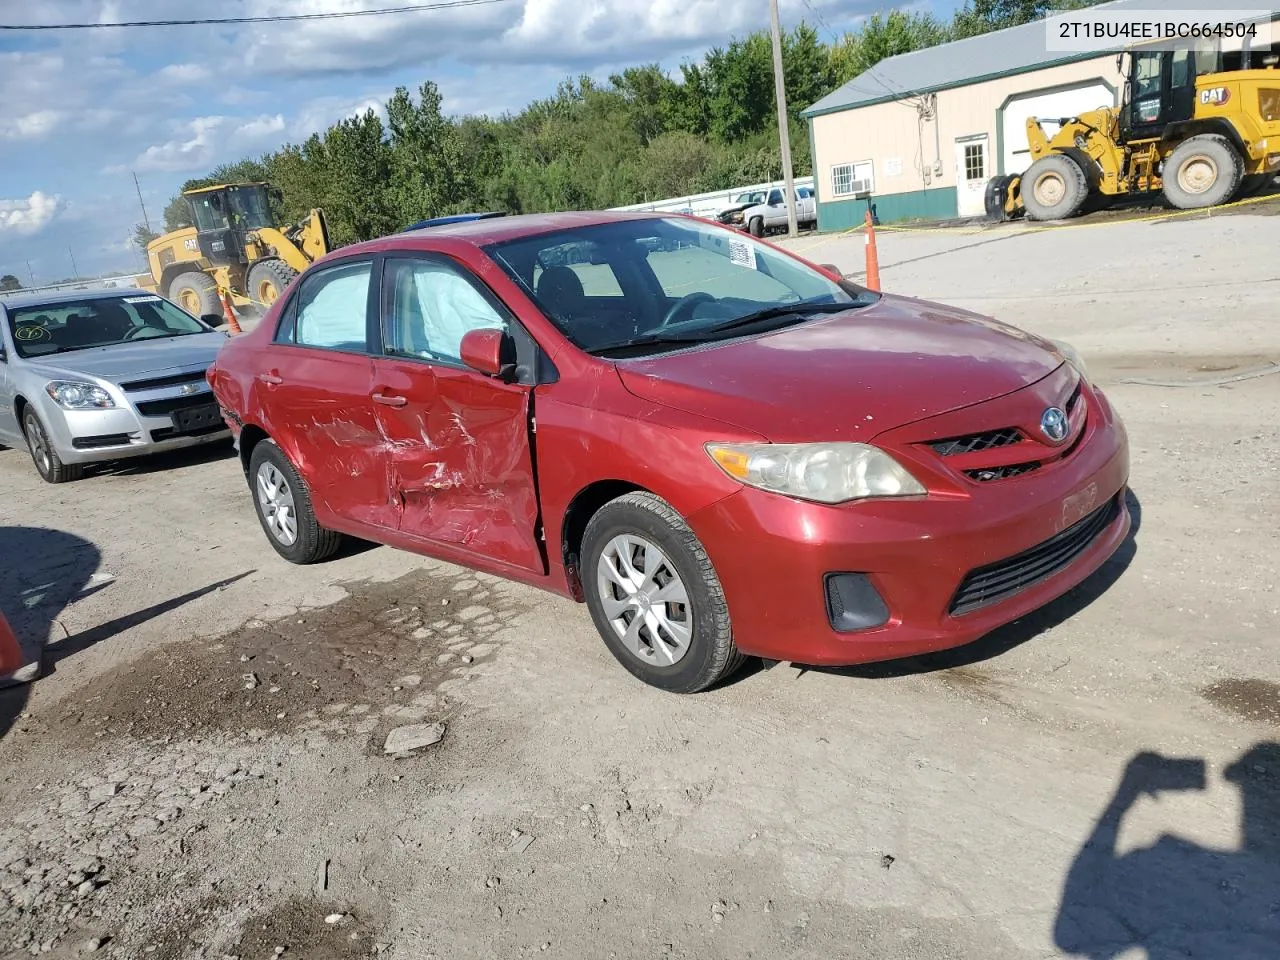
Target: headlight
[1072,356]
[825,472]
[72,395]
[737,217]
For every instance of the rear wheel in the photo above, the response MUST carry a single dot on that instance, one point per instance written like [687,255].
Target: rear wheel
[267,280]
[48,464]
[1054,188]
[196,292]
[1203,171]
[284,508]
[654,596]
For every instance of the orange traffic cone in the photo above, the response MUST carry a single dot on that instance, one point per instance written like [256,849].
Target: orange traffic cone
[229,313]
[11,659]
[873,259]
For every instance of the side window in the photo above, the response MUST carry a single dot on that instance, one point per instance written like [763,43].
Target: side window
[775,198]
[330,310]
[428,306]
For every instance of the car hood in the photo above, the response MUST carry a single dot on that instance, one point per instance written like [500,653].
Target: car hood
[847,376]
[129,361]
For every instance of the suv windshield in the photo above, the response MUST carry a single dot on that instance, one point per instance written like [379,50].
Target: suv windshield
[78,325]
[658,283]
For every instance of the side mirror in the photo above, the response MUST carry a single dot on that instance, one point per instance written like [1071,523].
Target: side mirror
[488,352]
[214,320]
[833,269]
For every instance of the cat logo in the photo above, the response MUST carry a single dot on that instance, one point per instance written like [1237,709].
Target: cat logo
[1215,95]
[191,244]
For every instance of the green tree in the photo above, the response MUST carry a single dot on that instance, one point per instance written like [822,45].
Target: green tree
[9,282]
[177,214]
[142,235]
[882,36]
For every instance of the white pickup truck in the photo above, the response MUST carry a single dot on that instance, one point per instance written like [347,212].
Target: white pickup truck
[763,211]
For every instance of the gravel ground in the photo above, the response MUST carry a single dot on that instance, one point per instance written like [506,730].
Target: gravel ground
[201,772]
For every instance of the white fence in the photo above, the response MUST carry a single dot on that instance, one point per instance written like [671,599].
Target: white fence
[708,204]
[128,280]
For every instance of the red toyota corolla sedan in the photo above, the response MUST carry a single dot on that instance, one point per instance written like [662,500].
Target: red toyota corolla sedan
[723,449]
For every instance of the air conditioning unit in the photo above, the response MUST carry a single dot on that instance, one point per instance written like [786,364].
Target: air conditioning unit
[860,188]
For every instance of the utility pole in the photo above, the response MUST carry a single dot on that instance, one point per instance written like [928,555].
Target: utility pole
[784,133]
[75,271]
[31,273]
[145,221]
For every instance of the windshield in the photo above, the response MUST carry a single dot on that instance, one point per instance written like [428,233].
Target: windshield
[757,197]
[65,327]
[250,207]
[658,283]
[209,210]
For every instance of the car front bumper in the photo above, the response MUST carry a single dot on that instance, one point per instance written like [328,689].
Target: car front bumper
[774,554]
[91,436]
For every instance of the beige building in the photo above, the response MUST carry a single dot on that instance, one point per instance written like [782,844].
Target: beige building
[921,134]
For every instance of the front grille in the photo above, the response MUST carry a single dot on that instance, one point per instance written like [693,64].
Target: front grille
[100,441]
[1072,400]
[987,474]
[976,442]
[162,408]
[177,379]
[1001,580]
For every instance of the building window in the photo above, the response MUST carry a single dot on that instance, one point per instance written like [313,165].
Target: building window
[851,179]
[975,156]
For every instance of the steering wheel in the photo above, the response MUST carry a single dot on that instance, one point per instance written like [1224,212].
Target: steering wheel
[136,332]
[684,304]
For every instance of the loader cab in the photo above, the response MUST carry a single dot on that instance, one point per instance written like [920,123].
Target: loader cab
[225,215]
[1159,89]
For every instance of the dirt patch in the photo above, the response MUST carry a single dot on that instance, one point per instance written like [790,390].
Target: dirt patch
[302,929]
[1252,699]
[370,660]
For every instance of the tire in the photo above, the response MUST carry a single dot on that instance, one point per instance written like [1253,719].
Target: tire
[756,227]
[196,292]
[267,280]
[311,542]
[1054,188]
[640,524]
[1202,171]
[48,464]
[1256,184]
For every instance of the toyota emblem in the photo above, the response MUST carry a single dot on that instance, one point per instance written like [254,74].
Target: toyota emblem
[1053,424]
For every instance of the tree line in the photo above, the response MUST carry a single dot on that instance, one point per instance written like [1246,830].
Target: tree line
[642,135]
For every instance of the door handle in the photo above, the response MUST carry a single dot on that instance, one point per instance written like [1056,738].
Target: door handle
[389,400]
[271,379]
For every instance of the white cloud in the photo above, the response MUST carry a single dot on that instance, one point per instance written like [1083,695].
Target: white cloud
[30,126]
[183,73]
[28,216]
[201,143]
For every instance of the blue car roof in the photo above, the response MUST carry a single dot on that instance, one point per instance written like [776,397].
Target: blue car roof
[453,218]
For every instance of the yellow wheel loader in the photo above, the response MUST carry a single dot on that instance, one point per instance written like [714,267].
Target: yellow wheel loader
[1199,125]
[235,245]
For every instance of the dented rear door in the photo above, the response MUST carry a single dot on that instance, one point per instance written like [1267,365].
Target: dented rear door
[459,467]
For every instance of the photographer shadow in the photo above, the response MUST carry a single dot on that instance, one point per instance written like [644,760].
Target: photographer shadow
[1175,898]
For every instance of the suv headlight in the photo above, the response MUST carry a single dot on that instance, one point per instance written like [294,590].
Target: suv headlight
[73,395]
[824,472]
[1072,356]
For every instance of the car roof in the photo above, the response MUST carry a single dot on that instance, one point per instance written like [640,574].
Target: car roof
[22,301]
[501,229]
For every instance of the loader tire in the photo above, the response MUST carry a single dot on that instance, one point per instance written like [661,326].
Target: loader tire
[1257,184]
[1203,171]
[196,292]
[267,280]
[1054,188]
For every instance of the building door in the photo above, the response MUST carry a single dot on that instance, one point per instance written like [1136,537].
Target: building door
[1049,106]
[973,170]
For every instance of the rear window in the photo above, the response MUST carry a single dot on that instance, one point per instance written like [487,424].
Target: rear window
[51,328]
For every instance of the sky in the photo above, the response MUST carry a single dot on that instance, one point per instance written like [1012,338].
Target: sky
[82,111]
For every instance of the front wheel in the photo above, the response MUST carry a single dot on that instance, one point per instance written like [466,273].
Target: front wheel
[655,597]
[756,227]
[48,464]
[1054,188]
[267,280]
[284,508]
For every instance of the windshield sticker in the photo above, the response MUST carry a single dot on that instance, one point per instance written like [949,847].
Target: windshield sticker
[30,334]
[742,253]
[141,299]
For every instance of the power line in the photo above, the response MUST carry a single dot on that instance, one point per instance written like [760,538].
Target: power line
[232,21]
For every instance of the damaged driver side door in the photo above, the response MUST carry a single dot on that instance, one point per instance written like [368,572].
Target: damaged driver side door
[459,466]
